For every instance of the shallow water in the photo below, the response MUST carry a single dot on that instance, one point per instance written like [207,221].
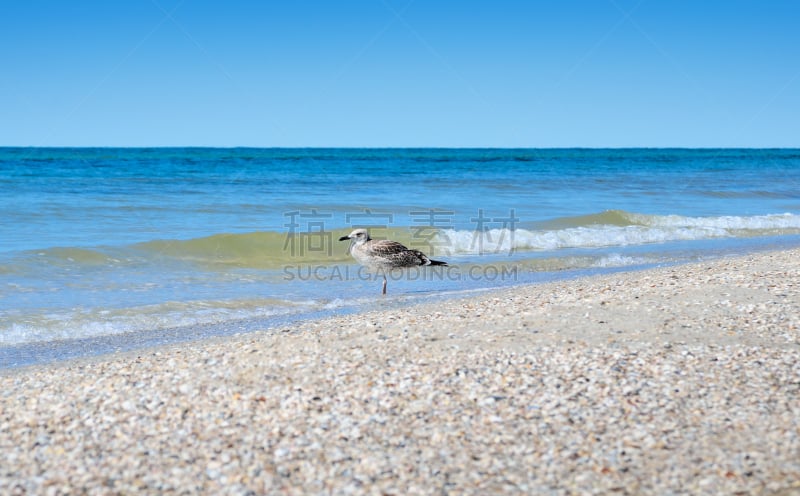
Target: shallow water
[114,243]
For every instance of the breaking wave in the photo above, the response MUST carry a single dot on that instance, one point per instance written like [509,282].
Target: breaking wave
[614,228]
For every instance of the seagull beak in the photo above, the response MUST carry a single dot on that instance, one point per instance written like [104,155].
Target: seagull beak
[344,238]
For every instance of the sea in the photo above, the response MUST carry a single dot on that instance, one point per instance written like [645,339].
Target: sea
[117,249]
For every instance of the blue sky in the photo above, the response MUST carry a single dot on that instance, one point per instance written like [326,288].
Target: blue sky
[400,73]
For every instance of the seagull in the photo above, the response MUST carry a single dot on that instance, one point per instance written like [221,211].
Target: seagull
[384,254]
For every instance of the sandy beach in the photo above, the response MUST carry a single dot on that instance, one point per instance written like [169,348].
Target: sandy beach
[677,380]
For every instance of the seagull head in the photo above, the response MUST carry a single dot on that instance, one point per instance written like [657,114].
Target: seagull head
[358,236]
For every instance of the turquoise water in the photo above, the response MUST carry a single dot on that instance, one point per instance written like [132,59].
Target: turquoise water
[149,245]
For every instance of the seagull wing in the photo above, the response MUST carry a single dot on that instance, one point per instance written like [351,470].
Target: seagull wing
[385,248]
[418,255]
[397,255]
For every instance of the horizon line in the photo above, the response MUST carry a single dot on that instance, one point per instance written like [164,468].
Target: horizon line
[348,147]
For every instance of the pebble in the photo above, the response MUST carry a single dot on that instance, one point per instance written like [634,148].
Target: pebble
[678,380]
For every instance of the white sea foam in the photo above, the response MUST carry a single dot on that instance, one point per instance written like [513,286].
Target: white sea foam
[618,260]
[728,222]
[85,323]
[644,229]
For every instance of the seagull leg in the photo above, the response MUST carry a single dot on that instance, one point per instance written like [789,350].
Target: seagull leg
[384,284]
